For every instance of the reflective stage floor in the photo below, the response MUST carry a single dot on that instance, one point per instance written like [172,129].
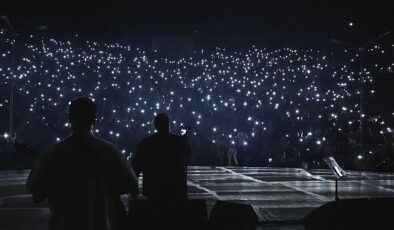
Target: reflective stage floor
[276,194]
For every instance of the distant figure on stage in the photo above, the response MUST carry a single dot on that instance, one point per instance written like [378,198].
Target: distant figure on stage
[232,154]
[161,158]
[83,177]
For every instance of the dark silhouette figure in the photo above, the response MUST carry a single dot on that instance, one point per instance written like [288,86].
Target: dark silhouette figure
[83,177]
[161,158]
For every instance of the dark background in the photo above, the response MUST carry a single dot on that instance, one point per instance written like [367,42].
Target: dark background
[270,22]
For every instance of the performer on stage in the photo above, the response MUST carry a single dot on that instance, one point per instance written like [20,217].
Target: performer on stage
[232,154]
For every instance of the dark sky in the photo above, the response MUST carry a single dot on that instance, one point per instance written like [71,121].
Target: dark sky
[268,18]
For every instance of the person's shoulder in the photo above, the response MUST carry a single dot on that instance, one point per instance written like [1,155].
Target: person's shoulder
[53,150]
[59,146]
[104,145]
[149,139]
[175,137]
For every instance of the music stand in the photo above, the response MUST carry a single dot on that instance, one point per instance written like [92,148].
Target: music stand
[337,170]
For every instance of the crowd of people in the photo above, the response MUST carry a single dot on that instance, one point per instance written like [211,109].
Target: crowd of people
[269,107]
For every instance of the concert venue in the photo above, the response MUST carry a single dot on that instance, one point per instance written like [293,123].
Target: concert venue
[286,109]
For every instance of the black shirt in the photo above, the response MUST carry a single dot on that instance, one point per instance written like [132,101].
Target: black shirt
[82,177]
[161,158]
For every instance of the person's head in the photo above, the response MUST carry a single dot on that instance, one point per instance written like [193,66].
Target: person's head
[161,123]
[82,114]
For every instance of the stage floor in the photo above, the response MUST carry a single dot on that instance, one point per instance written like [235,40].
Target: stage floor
[276,194]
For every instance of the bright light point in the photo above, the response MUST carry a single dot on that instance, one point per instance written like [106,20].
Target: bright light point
[6,136]
[351,24]
[318,142]
[360,157]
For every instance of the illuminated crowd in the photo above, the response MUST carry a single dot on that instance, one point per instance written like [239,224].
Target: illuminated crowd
[277,107]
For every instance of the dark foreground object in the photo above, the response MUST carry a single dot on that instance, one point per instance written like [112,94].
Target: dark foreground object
[357,214]
[278,195]
[145,215]
[374,213]
[225,215]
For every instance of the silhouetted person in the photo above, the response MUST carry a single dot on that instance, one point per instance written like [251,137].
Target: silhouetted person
[83,177]
[161,158]
[232,155]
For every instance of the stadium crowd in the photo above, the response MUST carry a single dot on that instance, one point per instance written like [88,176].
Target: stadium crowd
[277,107]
